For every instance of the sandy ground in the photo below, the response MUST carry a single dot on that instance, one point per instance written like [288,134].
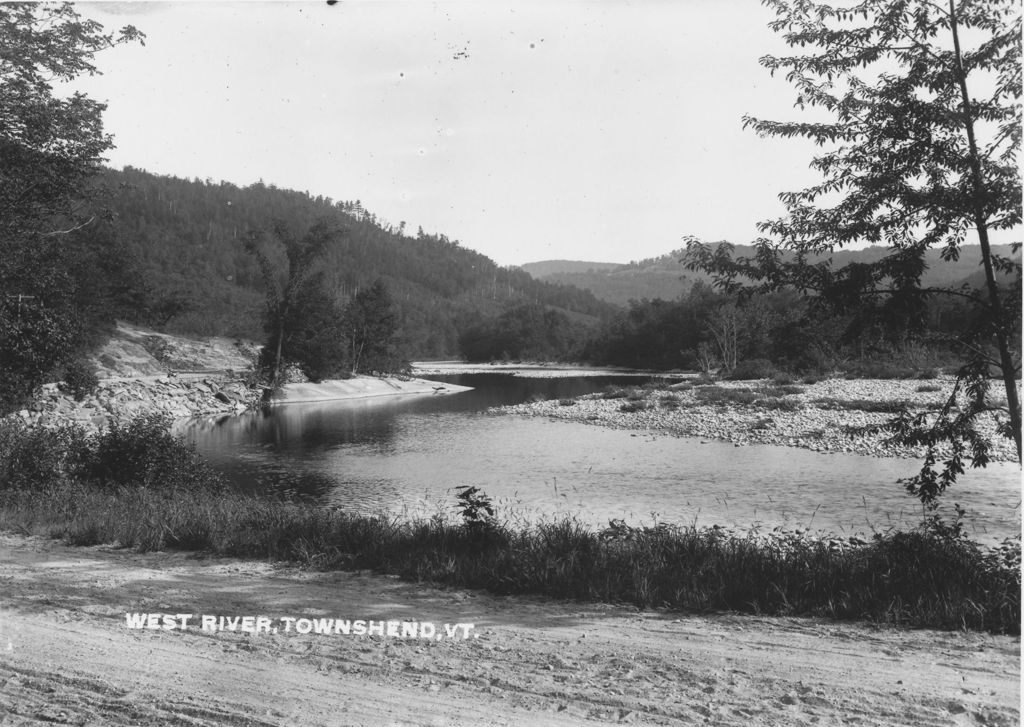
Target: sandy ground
[362,387]
[68,657]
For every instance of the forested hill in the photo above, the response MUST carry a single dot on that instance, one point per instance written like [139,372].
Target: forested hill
[667,278]
[186,237]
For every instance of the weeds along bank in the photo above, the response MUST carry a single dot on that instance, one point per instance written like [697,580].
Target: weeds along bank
[834,415]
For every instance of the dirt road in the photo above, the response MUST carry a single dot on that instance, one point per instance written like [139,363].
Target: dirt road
[67,655]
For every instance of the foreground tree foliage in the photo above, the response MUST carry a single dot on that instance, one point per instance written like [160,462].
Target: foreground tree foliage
[921,148]
[55,273]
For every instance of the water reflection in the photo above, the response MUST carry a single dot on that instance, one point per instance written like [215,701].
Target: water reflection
[407,454]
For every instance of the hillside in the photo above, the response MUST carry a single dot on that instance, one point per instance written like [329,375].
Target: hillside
[545,268]
[667,278]
[185,237]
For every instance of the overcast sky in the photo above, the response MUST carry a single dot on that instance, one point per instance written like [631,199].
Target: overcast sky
[598,131]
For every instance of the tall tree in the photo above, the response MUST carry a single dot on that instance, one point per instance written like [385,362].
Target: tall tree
[372,322]
[285,283]
[50,145]
[923,101]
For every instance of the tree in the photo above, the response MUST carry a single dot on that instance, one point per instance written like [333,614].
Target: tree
[921,146]
[315,337]
[285,283]
[372,322]
[50,145]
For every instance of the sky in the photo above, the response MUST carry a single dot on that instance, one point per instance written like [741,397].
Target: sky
[603,131]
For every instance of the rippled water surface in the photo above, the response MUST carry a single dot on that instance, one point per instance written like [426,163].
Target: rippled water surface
[406,454]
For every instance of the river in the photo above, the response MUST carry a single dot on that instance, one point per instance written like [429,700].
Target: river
[405,455]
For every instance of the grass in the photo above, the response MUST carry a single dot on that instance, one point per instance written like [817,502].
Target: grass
[914,578]
[885,406]
[765,397]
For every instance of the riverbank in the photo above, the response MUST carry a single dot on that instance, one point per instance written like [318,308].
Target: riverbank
[68,655]
[530,370]
[826,416]
[362,387]
[143,372]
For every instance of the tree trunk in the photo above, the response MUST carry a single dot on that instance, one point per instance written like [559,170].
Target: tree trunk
[978,197]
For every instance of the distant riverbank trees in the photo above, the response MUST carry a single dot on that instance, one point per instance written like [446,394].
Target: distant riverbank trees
[530,332]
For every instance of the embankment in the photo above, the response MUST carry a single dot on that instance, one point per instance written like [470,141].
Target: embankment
[143,372]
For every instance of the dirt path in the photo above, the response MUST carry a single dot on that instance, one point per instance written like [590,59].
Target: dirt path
[68,657]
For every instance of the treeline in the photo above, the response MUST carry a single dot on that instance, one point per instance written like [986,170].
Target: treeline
[187,239]
[706,330]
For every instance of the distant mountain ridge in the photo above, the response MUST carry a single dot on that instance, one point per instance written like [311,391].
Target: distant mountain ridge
[542,269]
[667,278]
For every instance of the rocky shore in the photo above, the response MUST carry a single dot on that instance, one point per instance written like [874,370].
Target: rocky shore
[823,416]
[118,400]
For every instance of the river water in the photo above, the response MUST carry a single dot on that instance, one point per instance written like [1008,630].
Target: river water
[406,455]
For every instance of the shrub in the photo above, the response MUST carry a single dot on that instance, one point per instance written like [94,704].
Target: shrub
[883,406]
[778,404]
[80,380]
[722,396]
[755,368]
[879,370]
[783,379]
[476,508]
[566,402]
[633,406]
[928,388]
[33,457]
[614,392]
[787,390]
[669,401]
[158,348]
[143,453]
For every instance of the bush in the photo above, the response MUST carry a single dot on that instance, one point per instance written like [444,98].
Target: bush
[32,458]
[80,380]
[722,396]
[778,404]
[879,370]
[614,392]
[883,406]
[566,402]
[928,388]
[159,348]
[143,453]
[755,368]
[633,406]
